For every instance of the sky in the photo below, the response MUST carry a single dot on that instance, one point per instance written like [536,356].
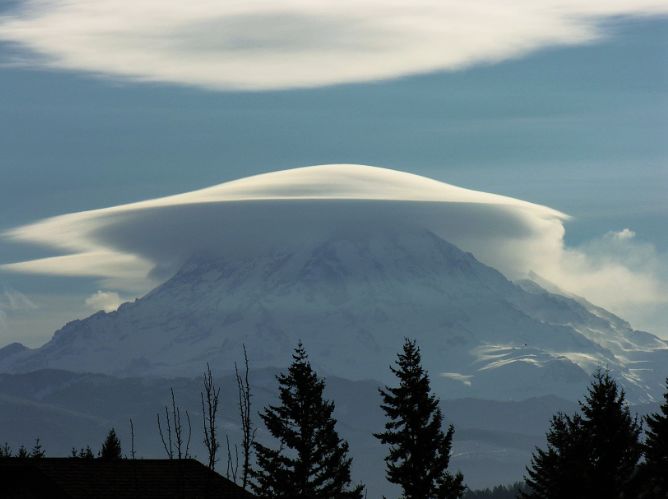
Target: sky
[550,102]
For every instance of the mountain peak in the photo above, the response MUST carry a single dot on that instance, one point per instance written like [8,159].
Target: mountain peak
[352,297]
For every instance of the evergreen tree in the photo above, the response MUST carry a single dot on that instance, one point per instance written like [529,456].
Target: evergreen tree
[82,453]
[591,455]
[557,472]
[654,471]
[37,450]
[419,452]
[312,461]
[111,447]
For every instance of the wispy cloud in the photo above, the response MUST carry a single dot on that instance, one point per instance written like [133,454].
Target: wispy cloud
[626,275]
[12,301]
[263,44]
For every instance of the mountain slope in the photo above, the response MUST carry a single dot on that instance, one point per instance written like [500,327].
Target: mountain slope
[352,297]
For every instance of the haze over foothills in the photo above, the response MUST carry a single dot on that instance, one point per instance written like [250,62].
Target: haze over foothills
[555,103]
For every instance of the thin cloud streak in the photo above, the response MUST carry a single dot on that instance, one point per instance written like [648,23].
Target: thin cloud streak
[11,302]
[261,44]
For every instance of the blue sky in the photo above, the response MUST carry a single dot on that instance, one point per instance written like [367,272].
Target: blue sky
[581,128]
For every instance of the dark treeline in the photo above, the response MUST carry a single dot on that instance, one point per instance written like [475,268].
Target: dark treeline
[498,492]
[597,452]
[22,452]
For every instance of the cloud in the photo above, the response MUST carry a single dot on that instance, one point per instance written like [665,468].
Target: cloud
[462,378]
[12,301]
[104,300]
[135,246]
[625,275]
[624,234]
[262,44]
[151,239]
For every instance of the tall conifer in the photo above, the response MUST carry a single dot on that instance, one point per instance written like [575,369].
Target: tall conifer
[111,447]
[557,471]
[312,461]
[419,452]
[591,455]
[654,471]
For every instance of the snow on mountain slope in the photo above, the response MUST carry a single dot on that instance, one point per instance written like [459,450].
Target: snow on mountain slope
[351,297]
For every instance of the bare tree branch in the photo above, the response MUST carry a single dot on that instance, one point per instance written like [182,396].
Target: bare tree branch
[168,450]
[248,432]
[190,431]
[210,399]
[132,439]
[175,430]
[232,468]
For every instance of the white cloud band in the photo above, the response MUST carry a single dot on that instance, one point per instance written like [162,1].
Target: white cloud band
[263,44]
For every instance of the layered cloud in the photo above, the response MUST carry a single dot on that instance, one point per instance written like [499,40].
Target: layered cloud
[124,245]
[263,44]
[133,247]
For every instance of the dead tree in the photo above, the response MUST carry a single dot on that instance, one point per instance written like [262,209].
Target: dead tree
[210,397]
[247,429]
[132,439]
[232,466]
[174,445]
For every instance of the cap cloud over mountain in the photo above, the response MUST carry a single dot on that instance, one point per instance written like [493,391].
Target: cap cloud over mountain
[134,247]
[350,259]
[283,209]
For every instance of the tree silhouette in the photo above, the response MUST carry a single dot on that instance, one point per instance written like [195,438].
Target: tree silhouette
[654,471]
[557,471]
[111,447]
[174,445]
[591,455]
[210,399]
[419,452]
[37,450]
[248,432]
[82,453]
[317,465]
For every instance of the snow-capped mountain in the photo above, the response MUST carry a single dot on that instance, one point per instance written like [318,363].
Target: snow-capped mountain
[352,297]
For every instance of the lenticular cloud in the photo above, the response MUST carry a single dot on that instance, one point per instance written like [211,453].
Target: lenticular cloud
[133,247]
[262,44]
[150,239]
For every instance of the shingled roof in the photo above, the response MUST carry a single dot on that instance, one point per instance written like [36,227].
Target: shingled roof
[72,478]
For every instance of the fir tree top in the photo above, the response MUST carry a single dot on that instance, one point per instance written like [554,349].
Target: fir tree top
[317,464]
[612,433]
[590,455]
[111,447]
[419,451]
